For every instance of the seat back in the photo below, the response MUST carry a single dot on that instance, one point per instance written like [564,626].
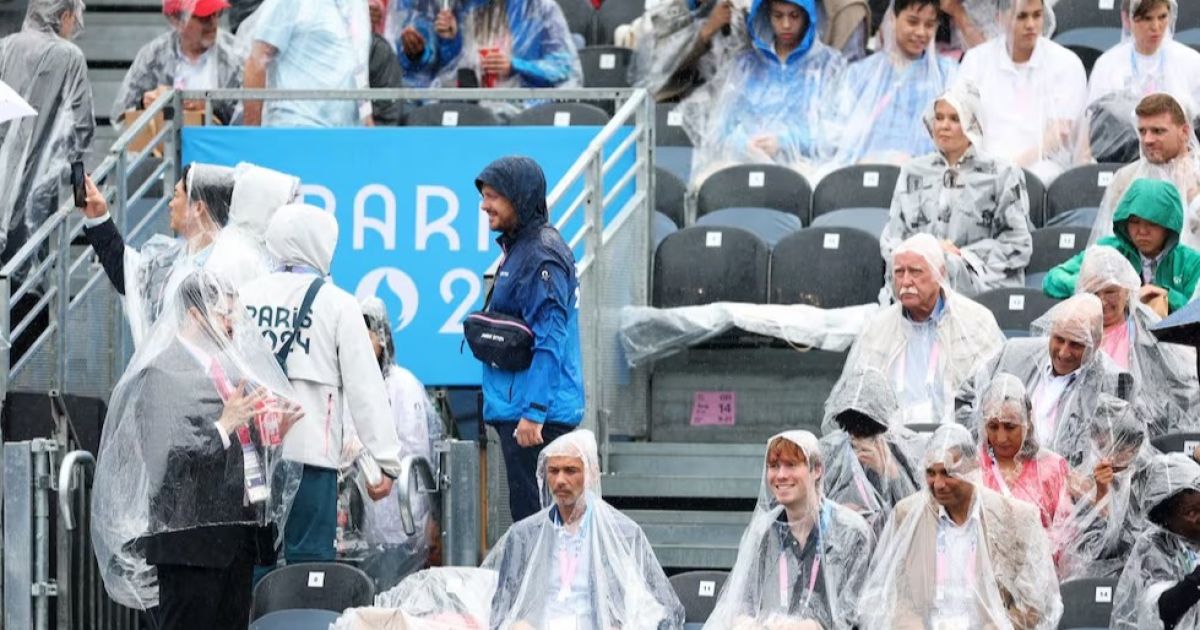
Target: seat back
[1054,245]
[1087,603]
[605,66]
[561,115]
[769,225]
[701,265]
[668,127]
[828,267]
[313,585]
[450,114]
[1037,198]
[1015,309]
[670,195]
[869,220]
[855,186]
[1073,14]
[580,16]
[303,619]
[757,186]
[1185,443]
[1079,188]
[1096,37]
[614,13]
[698,591]
[1087,56]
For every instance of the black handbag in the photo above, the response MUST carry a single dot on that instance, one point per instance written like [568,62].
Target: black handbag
[501,341]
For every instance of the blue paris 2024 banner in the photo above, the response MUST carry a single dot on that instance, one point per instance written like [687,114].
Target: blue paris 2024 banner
[410,228]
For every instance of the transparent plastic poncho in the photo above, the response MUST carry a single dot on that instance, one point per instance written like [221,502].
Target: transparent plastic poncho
[163,469]
[1002,575]
[1095,540]
[669,56]
[595,570]
[803,556]
[1160,558]
[877,114]
[927,361]
[532,33]
[49,72]
[981,205]
[430,67]
[1164,374]
[1062,420]
[761,109]
[871,460]
[1019,468]
[443,598]
[1183,170]
[1031,114]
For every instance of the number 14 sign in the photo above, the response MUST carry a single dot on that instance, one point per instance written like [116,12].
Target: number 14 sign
[714,409]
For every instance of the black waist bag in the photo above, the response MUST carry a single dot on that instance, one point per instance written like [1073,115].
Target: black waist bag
[501,341]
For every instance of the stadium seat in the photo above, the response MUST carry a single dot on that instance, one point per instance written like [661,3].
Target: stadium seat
[1087,603]
[673,147]
[698,591]
[448,114]
[1099,38]
[769,225]
[561,115]
[922,427]
[1037,198]
[662,228]
[1190,37]
[1053,246]
[1016,309]
[869,220]
[614,13]
[580,16]
[701,265]
[670,196]
[605,66]
[827,268]
[758,186]
[303,619]
[1177,442]
[1074,14]
[1074,197]
[312,585]
[1087,55]
[856,186]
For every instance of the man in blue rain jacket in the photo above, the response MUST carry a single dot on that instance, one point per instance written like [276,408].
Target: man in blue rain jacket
[535,282]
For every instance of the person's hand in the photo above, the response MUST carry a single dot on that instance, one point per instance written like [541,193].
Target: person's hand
[96,206]
[446,25]
[1103,474]
[153,95]
[951,7]
[193,105]
[289,414]
[766,144]
[1155,297]
[412,43]
[240,408]
[950,248]
[721,16]
[381,489]
[497,63]
[528,433]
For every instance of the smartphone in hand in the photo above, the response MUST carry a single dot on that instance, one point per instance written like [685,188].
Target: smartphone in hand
[77,184]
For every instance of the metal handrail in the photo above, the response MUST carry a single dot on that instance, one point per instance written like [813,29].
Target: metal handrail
[66,477]
[409,466]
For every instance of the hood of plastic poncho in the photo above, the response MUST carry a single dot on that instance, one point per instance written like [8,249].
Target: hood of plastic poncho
[300,234]
[867,391]
[759,28]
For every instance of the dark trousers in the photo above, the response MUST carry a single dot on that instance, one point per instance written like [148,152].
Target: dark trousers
[204,599]
[520,463]
[310,534]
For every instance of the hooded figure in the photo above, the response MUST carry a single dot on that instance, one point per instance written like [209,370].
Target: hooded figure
[535,282]
[975,204]
[930,340]
[881,100]
[1062,368]
[331,366]
[1163,261]
[43,66]
[1164,374]
[870,463]
[531,35]
[1094,541]
[1013,462]
[1160,586]
[578,563]
[958,555]
[765,105]
[803,557]
[189,481]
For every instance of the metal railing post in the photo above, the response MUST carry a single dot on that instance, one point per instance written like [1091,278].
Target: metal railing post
[5,341]
[62,303]
[461,522]
[43,587]
[595,279]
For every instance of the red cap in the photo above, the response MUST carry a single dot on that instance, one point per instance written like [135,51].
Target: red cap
[199,8]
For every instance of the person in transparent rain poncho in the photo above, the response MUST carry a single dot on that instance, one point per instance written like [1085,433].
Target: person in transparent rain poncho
[681,44]
[1095,539]
[975,204]
[1164,374]
[803,558]
[930,340]
[1168,150]
[211,232]
[1160,586]
[1063,370]
[190,489]
[1148,60]
[1012,461]
[957,555]
[425,34]
[441,598]
[45,68]
[1033,90]
[764,105]
[195,54]
[871,461]
[578,563]
[878,113]
[387,553]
